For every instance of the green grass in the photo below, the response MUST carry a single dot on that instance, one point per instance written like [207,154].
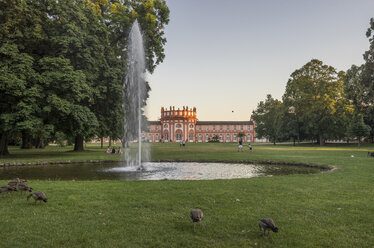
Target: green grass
[333,209]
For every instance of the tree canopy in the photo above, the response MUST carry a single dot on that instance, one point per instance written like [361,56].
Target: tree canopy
[63,64]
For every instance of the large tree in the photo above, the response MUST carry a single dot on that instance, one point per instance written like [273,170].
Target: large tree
[19,91]
[316,94]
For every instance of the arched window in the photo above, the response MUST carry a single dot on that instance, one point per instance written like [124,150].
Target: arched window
[227,137]
[248,138]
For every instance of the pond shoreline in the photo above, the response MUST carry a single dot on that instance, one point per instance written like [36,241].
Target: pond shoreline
[22,164]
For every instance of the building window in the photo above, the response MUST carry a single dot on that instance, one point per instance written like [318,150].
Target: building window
[249,128]
[207,128]
[156,128]
[214,127]
[228,127]
[220,138]
[241,127]
[220,127]
[165,125]
[191,137]
[249,138]
[234,137]
[200,138]
[166,137]
[234,127]
[191,126]
[179,137]
[227,137]
[178,126]
[157,139]
[149,137]
[200,128]
[206,138]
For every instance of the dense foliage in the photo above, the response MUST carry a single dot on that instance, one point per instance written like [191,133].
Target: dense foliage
[62,65]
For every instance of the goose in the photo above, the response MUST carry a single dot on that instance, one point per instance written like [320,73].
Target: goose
[16,181]
[196,216]
[24,187]
[38,196]
[7,189]
[267,224]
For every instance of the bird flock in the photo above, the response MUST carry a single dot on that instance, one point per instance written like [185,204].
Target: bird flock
[20,185]
[196,215]
[266,224]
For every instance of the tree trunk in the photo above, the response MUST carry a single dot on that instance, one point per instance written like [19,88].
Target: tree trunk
[294,141]
[4,144]
[110,141]
[25,140]
[78,145]
[321,140]
[39,143]
[101,142]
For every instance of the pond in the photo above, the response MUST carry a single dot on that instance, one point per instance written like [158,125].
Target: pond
[154,171]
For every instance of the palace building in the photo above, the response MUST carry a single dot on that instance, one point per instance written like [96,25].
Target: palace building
[176,125]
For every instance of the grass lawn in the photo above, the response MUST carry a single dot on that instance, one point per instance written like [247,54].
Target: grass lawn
[333,209]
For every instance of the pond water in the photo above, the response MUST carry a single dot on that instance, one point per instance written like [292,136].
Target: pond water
[153,171]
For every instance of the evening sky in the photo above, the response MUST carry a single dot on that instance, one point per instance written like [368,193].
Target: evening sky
[224,56]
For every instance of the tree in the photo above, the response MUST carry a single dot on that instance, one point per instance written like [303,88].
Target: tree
[152,16]
[268,118]
[359,83]
[19,26]
[358,128]
[316,94]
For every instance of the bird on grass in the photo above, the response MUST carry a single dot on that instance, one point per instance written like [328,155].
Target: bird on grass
[196,216]
[7,189]
[16,181]
[23,187]
[38,196]
[267,225]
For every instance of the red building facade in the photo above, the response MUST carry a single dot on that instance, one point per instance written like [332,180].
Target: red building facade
[176,125]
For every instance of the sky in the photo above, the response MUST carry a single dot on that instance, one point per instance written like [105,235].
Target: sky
[224,56]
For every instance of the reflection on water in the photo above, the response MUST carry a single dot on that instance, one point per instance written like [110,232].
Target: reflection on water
[154,171]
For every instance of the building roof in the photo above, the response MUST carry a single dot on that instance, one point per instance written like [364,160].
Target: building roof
[211,122]
[224,123]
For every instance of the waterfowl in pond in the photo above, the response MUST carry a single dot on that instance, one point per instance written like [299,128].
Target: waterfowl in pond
[196,216]
[267,225]
[38,196]
[23,187]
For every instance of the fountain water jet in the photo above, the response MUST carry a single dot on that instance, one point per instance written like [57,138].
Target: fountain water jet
[135,90]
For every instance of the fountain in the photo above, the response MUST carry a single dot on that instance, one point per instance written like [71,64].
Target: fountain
[135,90]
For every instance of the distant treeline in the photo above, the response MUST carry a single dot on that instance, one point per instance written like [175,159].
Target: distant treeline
[62,66]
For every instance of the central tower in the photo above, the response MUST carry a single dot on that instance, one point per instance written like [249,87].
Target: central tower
[178,125]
